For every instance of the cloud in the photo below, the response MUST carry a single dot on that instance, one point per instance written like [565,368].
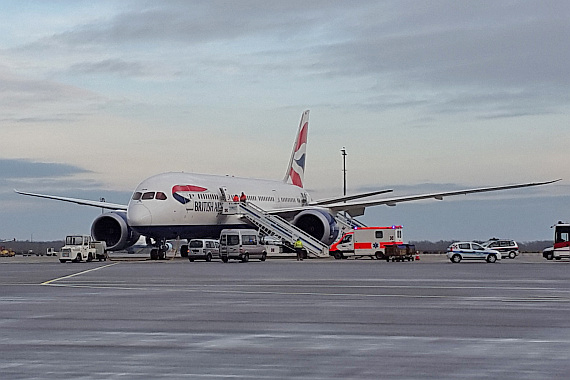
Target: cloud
[32,100]
[112,66]
[18,169]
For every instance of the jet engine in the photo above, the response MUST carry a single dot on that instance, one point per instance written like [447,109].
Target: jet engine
[112,228]
[320,224]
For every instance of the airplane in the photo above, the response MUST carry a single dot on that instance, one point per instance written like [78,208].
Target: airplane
[178,205]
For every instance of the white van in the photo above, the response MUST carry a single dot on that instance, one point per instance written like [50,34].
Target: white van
[241,244]
[205,249]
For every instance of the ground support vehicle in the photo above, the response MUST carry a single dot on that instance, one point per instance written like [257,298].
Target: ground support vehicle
[7,252]
[82,248]
[241,244]
[400,252]
[561,248]
[467,250]
[372,242]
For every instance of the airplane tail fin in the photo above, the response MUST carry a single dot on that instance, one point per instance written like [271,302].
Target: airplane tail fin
[296,171]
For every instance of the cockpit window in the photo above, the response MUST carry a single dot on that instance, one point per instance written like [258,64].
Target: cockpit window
[137,195]
[160,196]
[148,195]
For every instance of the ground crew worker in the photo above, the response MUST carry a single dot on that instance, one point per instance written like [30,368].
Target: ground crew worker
[242,197]
[299,248]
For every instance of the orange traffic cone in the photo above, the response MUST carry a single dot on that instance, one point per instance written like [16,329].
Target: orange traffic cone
[417,256]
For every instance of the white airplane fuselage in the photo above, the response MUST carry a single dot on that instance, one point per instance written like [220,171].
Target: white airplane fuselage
[172,205]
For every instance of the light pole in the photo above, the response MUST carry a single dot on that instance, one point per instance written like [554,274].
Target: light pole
[343,151]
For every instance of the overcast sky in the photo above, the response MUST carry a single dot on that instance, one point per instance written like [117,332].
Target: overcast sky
[97,96]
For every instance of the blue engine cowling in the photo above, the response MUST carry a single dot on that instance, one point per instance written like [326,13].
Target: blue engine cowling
[320,224]
[113,229]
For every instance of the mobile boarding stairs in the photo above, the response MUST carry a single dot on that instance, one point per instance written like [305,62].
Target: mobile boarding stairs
[275,225]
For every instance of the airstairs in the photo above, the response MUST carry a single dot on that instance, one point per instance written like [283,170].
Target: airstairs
[275,225]
[346,222]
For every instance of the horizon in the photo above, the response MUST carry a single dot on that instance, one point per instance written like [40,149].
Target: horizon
[99,96]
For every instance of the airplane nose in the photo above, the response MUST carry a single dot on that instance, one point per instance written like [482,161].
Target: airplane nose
[139,215]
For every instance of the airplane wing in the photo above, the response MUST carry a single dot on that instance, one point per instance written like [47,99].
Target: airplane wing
[323,202]
[84,202]
[357,208]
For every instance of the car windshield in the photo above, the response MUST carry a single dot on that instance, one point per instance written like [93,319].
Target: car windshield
[477,247]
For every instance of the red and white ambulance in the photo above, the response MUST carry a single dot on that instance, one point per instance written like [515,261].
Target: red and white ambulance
[377,242]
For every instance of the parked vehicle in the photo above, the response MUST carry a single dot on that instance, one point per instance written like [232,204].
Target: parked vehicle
[241,244]
[82,248]
[467,250]
[561,248]
[508,248]
[205,249]
[372,242]
[7,252]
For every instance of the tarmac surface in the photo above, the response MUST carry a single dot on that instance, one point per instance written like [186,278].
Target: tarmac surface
[283,319]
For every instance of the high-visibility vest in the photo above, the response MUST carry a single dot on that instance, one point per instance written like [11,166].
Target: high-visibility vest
[298,244]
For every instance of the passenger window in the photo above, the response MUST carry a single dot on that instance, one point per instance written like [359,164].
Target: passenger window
[249,240]
[137,196]
[464,246]
[149,195]
[160,196]
[379,234]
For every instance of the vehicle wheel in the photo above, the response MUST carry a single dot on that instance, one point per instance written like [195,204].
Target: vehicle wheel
[263,257]
[549,256]
[61,261]
[154,254]
[455,258]
[90,258]
[225,259]
[191,259]
[245,258]
[558,258]
[512,255]
[491,258]
[209,257]
[338,255]
[379,255]
[77,258]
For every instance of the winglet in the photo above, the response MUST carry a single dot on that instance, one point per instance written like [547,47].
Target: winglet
[296,170]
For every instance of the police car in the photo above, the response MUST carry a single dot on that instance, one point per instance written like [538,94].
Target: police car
[508,248]
[467,250]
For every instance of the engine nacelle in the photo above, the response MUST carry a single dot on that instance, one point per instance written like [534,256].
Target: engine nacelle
[113,229]
[320,224]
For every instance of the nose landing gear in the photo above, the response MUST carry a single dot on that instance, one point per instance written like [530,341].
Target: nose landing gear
[158,252]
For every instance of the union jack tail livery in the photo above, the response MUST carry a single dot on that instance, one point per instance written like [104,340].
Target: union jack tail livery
[296,171]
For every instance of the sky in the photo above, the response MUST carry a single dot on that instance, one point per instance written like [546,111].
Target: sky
[438,95]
